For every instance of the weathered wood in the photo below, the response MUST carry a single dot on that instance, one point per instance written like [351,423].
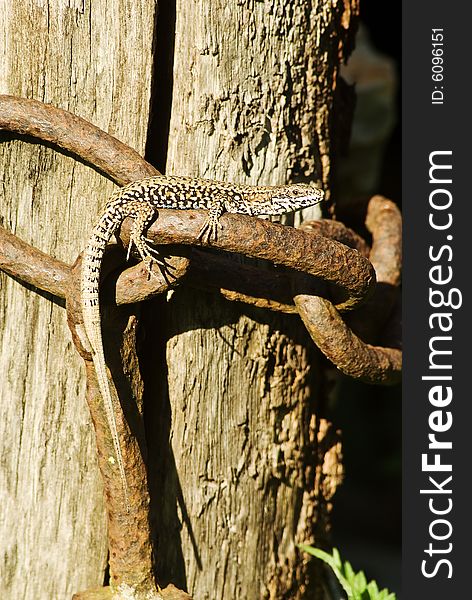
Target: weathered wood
[254,85]
[251,466]
[94,59]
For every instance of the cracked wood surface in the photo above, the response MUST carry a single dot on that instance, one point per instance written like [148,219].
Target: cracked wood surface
[251,465]
[86,58]
[286,468]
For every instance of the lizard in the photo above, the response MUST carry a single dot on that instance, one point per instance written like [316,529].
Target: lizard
[141,200]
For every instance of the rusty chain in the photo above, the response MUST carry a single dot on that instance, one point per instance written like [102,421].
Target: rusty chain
[322,260]
[315,250]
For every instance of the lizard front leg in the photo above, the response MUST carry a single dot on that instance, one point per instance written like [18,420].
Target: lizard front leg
[209,231]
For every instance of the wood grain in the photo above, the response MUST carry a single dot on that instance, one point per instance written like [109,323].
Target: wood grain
[251,466]
[94,59]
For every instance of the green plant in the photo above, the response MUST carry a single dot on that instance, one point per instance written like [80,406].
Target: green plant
[354,584]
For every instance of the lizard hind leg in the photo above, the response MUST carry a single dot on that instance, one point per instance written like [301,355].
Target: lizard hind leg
[144,216]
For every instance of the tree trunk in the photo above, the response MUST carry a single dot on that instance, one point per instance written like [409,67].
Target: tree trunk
[250,466]
[86,58]
[243,466]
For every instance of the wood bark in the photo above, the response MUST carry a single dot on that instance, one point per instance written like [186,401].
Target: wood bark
[250,465]
[94,59]
[243,465]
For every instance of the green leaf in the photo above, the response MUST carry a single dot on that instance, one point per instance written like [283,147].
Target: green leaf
[349,572]
[354,584]
[334,562]
[360,582]
[374,591]
[337,558]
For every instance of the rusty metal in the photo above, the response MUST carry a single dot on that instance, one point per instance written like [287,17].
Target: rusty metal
[353,356]
[170,592]
[322,259]
[31,266]
[241,282]
[129,532]
[75,135]
[133,284]
[336,230]
[352,275]
[333,263]
[384,222]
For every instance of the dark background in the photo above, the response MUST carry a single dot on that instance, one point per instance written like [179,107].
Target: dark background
[367,517]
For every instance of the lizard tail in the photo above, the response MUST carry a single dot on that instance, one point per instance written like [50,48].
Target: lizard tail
[90,278]
[93,329]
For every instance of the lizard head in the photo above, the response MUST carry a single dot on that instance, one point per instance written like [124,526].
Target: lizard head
[277,200]
[296,195]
